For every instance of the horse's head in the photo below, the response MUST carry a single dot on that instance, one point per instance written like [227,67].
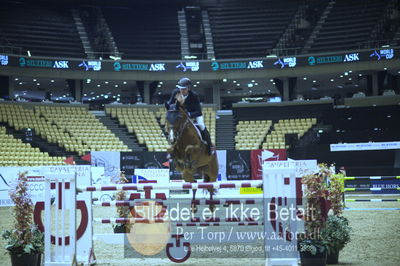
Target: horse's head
[176,116]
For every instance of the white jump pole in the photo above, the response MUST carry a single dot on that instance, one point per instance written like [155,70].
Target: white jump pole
[56,254]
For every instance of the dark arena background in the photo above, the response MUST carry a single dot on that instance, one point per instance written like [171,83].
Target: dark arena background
[84,83]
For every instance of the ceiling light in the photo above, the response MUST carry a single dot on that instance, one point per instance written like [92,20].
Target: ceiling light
[198,82]
[106,82]
[125,82]
[224,80]
[98,85]
[116,86]
[341,76]
[34,79]
[115,58]
[350,71]
[38,83]
[234,81]
[52,81]
[253,80]
[271,80]
[346,73]
[332,80]
[250,85]
[314,81]
[20,83]
[360,75]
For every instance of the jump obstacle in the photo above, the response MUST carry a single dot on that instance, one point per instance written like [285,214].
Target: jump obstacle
[65,252]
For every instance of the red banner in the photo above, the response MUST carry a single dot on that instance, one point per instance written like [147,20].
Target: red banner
[257,157]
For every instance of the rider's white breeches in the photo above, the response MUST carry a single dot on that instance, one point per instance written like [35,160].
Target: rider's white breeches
[200,122]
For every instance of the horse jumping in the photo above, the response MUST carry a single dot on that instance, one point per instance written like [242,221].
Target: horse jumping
[189,152]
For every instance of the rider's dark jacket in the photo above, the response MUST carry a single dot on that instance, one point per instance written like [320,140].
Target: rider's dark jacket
[192,103]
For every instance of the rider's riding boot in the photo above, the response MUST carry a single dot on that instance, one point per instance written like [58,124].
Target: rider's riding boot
[206,136]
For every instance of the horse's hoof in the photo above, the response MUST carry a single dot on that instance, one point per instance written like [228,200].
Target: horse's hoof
[212,208]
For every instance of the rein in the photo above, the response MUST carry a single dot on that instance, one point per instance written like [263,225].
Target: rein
[181,129]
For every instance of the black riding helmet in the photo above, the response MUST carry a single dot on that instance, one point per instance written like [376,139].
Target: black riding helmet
[184,83]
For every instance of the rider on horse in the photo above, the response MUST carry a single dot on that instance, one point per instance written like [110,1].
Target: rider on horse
[184,96]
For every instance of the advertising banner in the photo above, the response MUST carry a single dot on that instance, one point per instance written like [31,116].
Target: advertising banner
[258,157]
[238,165]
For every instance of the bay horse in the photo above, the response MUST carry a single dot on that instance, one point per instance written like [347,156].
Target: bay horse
[188,151]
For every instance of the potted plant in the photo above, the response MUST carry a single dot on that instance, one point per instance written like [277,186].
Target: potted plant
[123,211]
[25,243]
[312,246]
[337,230]
[337,235]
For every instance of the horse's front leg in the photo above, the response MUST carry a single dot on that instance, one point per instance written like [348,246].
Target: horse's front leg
[193,205]
[188,176]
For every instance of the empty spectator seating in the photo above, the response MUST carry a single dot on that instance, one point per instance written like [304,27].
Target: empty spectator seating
[18,117]
[85,131]
[248,29]
[277,140]
[250,134]
[43,30]
[14,152]
[143,123]
[349,24]
[145,32]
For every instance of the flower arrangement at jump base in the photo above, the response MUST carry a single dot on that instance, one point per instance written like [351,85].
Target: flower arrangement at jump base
[25,243]
[337,230]
[312,246]
[122,211]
